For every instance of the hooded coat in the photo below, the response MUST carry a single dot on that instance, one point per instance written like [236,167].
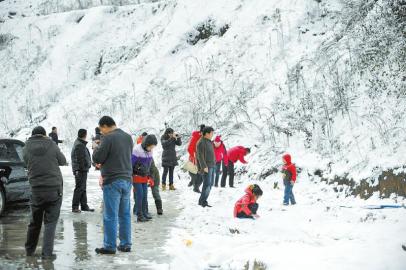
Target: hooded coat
[289,169]
[242,204]
[192,145]
[43,158]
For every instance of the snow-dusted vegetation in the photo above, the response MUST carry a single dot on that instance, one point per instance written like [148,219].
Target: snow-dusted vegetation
[322,79]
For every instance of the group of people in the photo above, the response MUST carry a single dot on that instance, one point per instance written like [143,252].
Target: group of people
[208,159]
[125,166]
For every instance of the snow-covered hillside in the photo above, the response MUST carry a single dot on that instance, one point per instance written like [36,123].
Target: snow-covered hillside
[322,79]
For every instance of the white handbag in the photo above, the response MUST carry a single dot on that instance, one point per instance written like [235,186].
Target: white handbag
[189,167]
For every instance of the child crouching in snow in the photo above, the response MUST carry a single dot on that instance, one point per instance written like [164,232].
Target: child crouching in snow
[289,179]
[247,206]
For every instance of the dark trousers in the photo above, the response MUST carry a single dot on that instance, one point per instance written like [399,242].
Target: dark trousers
[197,181]
[253,207]
[168,169]
[217,177]
[79,194]
[45,208]
[228,170]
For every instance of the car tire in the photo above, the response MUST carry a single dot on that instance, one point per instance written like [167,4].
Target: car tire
[2,200]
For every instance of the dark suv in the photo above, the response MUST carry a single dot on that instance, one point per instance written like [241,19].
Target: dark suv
[14,186]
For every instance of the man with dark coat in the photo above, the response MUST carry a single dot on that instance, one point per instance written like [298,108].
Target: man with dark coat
[114,155]
[81,163]
[43,158]
[206,162]
[54,136]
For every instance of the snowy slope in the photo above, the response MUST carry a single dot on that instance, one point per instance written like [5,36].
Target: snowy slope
[283,75]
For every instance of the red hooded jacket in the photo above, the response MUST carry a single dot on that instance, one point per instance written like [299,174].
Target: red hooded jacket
[237,153]
[192,145]
[242,204]
[220,152]
[289,166]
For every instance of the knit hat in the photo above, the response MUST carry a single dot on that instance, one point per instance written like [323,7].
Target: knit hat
[149,140]
[218,138]
[39,131]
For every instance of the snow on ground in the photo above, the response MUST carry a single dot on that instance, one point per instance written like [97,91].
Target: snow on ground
[324,230]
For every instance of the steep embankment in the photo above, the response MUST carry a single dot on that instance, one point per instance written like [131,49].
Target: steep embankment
[321,79]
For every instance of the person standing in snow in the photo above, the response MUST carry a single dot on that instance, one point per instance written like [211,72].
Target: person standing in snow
[206,162]
[221,157]
[155,188]
[54,136]
[141,162]
[96,139]
[234,154]
[169,141]
[81,163]
[154,184]
[43,158]
[114,156]
[247,206]
[289,178]
[196,179]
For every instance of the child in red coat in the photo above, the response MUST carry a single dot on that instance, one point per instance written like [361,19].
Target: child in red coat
[247,206]
[289,179]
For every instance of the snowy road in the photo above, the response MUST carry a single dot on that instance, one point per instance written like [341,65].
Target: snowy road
[318,233]
[79,234]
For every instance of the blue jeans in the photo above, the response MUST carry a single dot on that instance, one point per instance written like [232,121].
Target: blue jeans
[288,196]
[116,198]
[141,199]
[207,183]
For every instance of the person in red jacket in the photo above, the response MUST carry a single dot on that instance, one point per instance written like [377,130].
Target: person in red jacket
[139,139]
[234,154]
[289,178]
[195,179]
[221,157]
[247,206]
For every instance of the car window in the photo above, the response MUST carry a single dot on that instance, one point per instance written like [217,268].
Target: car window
[10,152]
[19,150]
[3,152]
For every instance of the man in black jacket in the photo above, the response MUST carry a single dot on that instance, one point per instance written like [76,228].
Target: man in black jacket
[81,163]
[43,159]
[54,136]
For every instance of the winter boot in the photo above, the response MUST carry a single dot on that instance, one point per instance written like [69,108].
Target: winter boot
[159,209]
[163,187]
[148,216]
[141,218]
[172,187]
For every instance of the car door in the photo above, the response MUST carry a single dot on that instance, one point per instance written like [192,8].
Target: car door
[17,187]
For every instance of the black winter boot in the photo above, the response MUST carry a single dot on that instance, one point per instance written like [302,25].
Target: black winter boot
[159,209]
[141,218]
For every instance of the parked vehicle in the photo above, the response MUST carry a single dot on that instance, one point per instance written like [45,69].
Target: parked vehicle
[14,185]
